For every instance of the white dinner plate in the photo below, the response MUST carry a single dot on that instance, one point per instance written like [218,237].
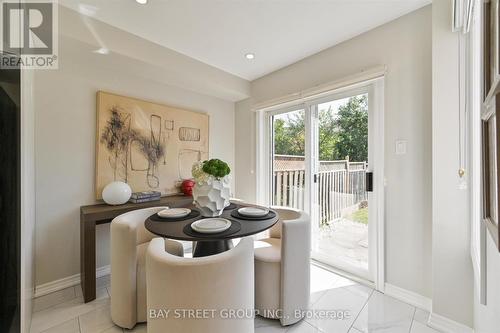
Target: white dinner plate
[211,225]
[174,212]
[253,211]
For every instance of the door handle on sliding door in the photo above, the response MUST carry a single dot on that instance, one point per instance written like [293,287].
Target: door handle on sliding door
[369,182]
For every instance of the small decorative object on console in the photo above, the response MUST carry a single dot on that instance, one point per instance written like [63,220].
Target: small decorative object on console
[145,196]
[187,187]
[212,191]
[116,193]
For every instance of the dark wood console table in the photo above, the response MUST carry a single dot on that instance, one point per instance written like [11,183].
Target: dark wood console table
[92,215]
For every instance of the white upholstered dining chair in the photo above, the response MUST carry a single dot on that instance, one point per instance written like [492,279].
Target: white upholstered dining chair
[282,267]
[221,282]
[129,241]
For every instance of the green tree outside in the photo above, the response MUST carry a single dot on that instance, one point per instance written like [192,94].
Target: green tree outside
[352,129]
[341,134]
[289,134]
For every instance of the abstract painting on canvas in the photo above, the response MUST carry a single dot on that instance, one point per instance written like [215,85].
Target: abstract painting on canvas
[150,146]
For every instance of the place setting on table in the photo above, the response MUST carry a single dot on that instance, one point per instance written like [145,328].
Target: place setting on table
[212,234]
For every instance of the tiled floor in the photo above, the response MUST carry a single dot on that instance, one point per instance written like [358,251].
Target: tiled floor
[366,311]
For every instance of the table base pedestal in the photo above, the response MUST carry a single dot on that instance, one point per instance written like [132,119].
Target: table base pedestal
[208,248]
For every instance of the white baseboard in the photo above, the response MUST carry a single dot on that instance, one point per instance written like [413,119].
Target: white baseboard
[446,325]
[70,281]
[409,297]
[437,322]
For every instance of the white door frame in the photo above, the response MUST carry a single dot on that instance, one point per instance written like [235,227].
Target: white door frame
[375,87]
[379,180]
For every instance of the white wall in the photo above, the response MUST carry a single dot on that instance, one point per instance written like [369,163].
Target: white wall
[404,45]
[452,276]
[65,102]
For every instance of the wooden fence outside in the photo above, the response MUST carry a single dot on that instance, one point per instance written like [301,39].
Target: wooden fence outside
[341,185]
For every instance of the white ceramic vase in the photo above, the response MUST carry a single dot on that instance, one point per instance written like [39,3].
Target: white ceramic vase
[116,193]
[212,196]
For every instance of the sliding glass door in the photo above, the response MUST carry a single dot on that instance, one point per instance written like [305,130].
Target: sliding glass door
[341,214]
[322,162]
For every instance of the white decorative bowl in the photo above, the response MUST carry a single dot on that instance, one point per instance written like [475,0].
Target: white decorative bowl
[116,193]
[212,196]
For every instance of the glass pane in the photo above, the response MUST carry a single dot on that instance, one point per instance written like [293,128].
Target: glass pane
[492,169]
[343,201]
[494,40]
[289,159]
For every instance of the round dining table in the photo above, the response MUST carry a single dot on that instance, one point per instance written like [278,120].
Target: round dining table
[210,244]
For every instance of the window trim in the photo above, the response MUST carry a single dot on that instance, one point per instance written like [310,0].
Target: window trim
[490,105]
[473,108]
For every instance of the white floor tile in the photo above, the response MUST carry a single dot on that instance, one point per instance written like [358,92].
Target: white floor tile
[114,329]
[353,330]
[384,314]
[336,301]
[360,290]
[58,314]
[96,321]
[371,311]
[421,328]
[261,322]
[70,326]
[421,316]
[321,281]
[270,329]
[58,297]
[302,327]
[139,328]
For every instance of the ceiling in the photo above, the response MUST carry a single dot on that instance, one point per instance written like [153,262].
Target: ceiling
[221,32]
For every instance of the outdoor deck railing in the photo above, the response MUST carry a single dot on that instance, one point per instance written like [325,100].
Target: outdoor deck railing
[341,184]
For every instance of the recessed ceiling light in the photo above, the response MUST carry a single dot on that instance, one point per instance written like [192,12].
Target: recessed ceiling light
[102,50]
[142,2]
[249,56]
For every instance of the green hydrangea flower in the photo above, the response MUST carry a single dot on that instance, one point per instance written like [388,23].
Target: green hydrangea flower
[216,168]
